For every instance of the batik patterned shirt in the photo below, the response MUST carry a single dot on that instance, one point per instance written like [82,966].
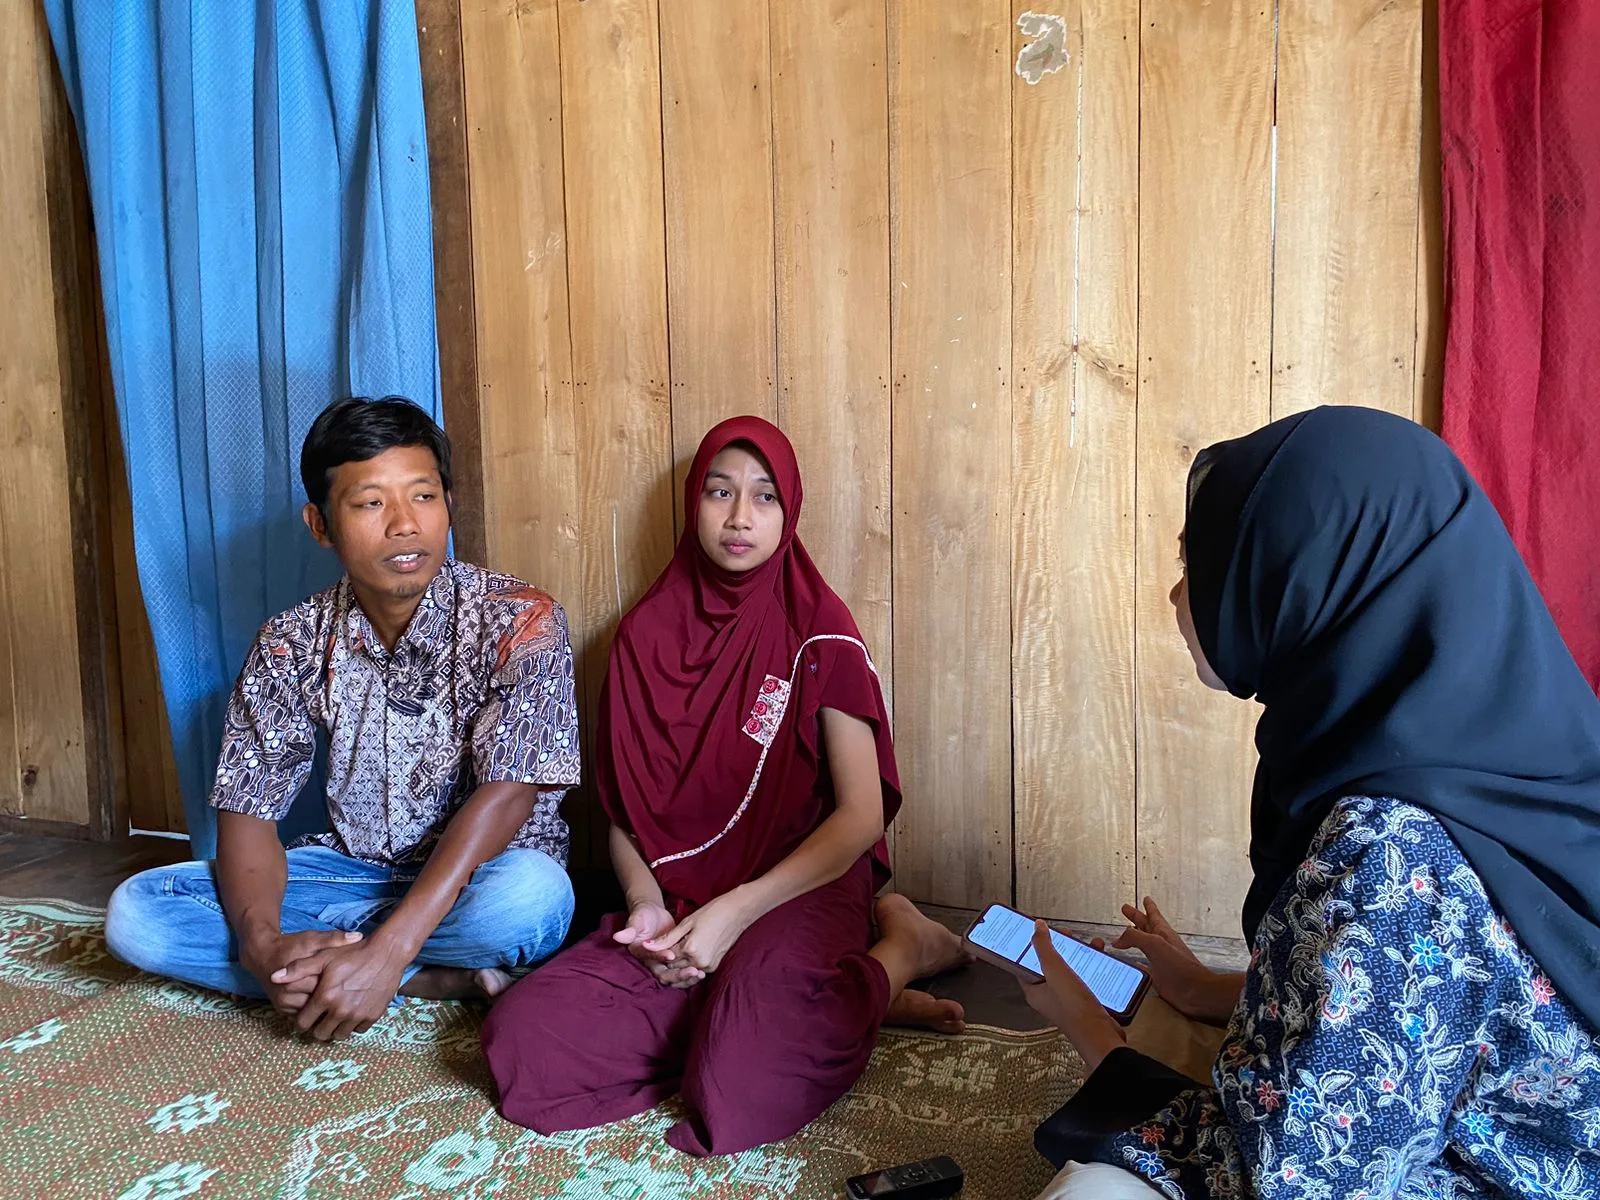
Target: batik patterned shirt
[1393,1039]
[479,689]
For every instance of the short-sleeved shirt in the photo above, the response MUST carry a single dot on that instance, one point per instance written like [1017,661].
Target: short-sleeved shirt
[478,689]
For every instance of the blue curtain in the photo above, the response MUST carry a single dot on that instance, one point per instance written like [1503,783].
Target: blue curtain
[259,180]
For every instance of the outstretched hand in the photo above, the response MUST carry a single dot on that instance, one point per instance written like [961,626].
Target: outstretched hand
[1180,978]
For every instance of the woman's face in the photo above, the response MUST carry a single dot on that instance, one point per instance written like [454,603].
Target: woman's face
[741,517]
[1180,602]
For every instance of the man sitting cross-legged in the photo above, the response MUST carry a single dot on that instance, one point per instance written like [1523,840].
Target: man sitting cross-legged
[446,696]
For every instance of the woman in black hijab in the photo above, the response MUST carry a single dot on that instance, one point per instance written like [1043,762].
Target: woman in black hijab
[1420,1012]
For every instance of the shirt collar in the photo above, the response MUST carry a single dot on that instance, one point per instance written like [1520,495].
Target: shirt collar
[430,624]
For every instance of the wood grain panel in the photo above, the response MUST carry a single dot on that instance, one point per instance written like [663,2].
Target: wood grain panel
[512,64]
[1428,396]
[45,775]
[950,127]
[1344,281]
[1205,244]
[996,318]
[444,99]
[831,156]
[513,88]
[717,153]
[87,410]
[616,263]
[1076,331]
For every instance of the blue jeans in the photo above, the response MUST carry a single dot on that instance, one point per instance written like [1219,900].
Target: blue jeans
[513,912]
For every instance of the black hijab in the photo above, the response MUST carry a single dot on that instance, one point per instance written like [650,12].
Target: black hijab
[1346,571]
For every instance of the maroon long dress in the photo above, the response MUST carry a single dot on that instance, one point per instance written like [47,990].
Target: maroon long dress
[710,755]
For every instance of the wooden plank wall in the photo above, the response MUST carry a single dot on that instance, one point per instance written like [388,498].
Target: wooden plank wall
[1205,350]
[997,317]
[950,453]
[831,229]
[61,765]
[1075,333]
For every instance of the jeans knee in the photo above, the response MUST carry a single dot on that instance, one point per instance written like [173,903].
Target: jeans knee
[134,932]
[520,903]
[540,892]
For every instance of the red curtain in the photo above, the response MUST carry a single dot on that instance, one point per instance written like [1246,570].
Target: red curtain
[1520,141]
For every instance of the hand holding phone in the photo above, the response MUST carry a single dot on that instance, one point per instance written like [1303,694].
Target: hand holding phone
[1003,936]
[1064,1000]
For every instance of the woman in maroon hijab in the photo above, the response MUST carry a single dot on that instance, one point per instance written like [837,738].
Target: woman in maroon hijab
[746,765]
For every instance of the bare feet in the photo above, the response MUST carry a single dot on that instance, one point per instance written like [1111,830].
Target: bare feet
[491,981]
[456,983]
[923,1010]
[913,946]
[938,949]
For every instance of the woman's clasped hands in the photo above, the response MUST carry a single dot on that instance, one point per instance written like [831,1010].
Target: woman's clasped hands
[682,953]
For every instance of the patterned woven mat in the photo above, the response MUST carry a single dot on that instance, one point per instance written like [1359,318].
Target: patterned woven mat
[115,1084]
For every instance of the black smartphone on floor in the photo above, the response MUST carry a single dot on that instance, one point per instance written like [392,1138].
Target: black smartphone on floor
[930,1179]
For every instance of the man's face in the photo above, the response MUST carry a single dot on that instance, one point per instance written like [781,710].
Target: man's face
[389,521]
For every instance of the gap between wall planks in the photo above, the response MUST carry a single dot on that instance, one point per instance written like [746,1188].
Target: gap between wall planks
[154,797]
[1015,311]
[1430,302]
[455,317]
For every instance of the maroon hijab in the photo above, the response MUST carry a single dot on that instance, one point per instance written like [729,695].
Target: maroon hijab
[710,734]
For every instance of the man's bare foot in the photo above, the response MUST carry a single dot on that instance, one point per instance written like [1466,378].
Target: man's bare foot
[456,983]
[922,1010]
[937,949]
[492,981]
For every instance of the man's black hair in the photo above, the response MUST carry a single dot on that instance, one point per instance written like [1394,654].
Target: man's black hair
[358,428]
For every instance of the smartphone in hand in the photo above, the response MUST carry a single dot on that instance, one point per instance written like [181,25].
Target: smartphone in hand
[1004,937]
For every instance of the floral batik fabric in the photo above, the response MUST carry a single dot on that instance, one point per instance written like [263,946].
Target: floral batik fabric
[1393,1039]
[479,689]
